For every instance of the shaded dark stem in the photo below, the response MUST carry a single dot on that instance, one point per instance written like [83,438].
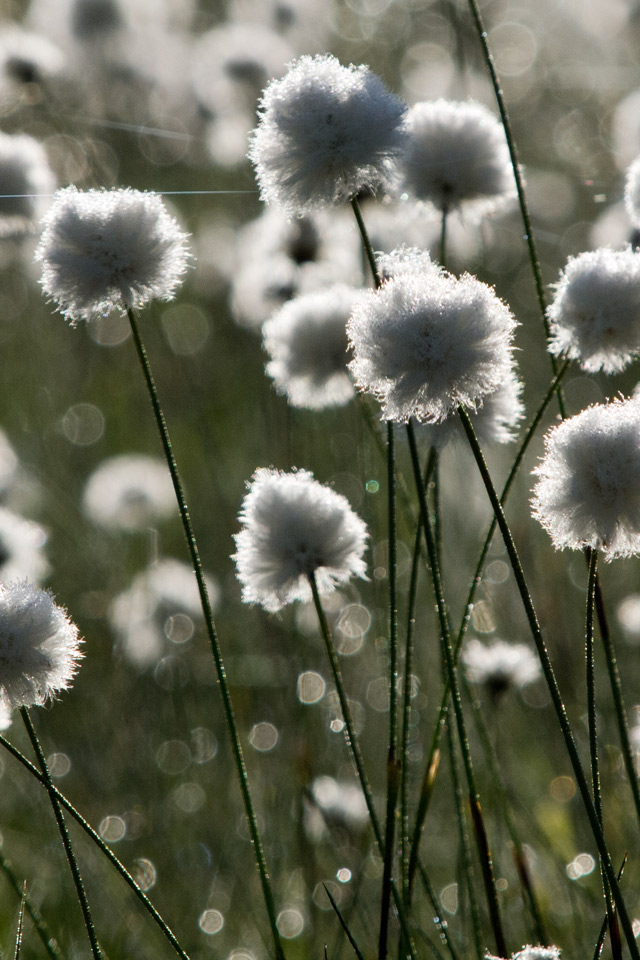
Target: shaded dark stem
[552,684]
[64,833]
[211,632]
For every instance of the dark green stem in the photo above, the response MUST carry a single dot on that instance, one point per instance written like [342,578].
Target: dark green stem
[48,940]
[443,620]
[211,631]
[64,834]
[552,684]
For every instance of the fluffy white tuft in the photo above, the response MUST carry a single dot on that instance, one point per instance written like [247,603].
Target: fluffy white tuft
[595,313]
[21,548]
[588,488]
[426,343]
[129,492]
[325,132]
[307,343]
[26,181]
[632,192]
[39,645]
[293,527]
[105,249]
[456,154]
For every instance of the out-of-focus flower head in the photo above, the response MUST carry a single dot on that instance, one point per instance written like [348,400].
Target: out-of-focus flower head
[26,182]
[307,343]
[22,545]
[456,155]
[500,666]
[325,132]
[129,492]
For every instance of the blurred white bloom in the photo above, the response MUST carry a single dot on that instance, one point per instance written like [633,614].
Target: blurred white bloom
[595,313]
[21,548]
[39,645]
[632,192]
[105,249]
[8,463]
[307,343]
[158,609]
[426,342]
[456,154]
[305,23]
[293,527]
[628,616]
[588,488]
[334,802]
[324,133]
[532,953]
[500,666]
[129,492]
[26,182]
[26,58]
[496,421]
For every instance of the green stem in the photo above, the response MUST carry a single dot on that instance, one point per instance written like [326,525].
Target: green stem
[64,834]
[354,746]
[552,684]
[48,941]
[443,620]
[366,242]
[444,705]
[211,631]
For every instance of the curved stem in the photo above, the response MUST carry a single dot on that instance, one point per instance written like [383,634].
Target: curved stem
[211,631]
[97,839]
[64,834]
[552,684]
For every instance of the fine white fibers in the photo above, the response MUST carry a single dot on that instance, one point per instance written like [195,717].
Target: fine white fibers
[632,192]
[21,548]
[129,492]
[39,645]
[325,132]
[426,343]
[456,153]
[532,953]
[595,313]
[500,665]
[293,527]
[105,249]
[307,343]
[588,488]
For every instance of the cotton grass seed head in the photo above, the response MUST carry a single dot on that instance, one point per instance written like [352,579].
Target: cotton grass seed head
[500,666]
[307,343]
[632,192]
[588,488]
[456,154]
[595,313]
[426,342]
[293,527]
[325,132]
[129,492]
[39,645]
[26,182]
[106,249]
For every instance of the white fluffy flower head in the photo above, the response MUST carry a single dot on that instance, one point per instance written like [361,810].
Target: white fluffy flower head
[307,343]
[632,192]
[26,179]
[325,132]
[425,343]
[588,488]
[293,527]
[457,155]
[595,313]
[105,249]
[39,645]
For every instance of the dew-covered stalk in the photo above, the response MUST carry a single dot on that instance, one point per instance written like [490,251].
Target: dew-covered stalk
[64,834]
[196,562]
[552,684]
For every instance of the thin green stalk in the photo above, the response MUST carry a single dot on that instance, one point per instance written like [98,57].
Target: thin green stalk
[444,705]
[552,684]
[443,238]
[618,700]
[97,839]
[366,242]
[441,924]
[18,947]
[64,834]
[343,923]
[354,746]
[592,559]
[48,940]
[211,631]
[474,800]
